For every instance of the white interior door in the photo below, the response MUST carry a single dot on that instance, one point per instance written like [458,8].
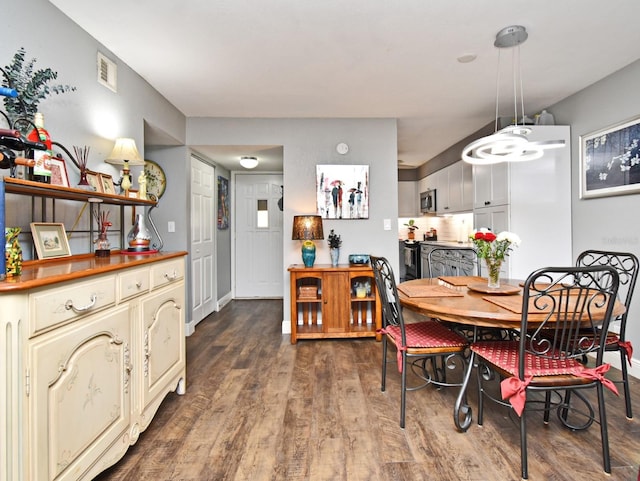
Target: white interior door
[202,240]
[258,236]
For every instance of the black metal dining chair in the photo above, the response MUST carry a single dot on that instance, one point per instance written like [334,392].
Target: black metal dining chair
[415,342]
[453,261]
[558,306]
[626,264]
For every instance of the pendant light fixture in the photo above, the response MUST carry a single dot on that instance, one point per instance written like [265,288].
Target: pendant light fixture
[510,144]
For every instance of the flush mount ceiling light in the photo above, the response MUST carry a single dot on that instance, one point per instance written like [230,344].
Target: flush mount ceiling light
[248,162]
[510,144]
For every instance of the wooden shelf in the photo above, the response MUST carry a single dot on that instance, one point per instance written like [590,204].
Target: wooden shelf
[38,189]
[337,312]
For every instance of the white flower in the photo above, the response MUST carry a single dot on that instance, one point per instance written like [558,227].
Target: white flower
[509,237]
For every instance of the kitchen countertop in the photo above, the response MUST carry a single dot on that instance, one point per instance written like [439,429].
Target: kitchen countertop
[448,243]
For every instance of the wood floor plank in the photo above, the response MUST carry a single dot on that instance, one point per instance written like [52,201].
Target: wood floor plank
[259,408]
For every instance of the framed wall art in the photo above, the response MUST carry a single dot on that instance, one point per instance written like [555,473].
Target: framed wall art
[610,161]
[223,203]
[107,184]
[342,191]
[50,240]
[94,180]
[59,174]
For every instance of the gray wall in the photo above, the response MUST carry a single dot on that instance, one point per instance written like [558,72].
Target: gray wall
[308,142]
[609,223]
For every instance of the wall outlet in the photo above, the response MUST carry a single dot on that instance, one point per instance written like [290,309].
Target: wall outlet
[387,224]
[171,226]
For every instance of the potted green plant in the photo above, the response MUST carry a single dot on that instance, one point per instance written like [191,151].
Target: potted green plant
[411,225]
[32,86]
[334,242]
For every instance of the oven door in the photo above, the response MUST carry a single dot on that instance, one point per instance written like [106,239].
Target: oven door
[412,262]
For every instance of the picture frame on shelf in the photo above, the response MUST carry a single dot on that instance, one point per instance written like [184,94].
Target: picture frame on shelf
[609,160]
[50,240]
[106,182]
[59,175]
[132,193]
[94,180]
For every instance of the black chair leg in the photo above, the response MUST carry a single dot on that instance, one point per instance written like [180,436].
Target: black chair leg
[403,393]
[604,435]
[523,446]
[625,382]
[383,382]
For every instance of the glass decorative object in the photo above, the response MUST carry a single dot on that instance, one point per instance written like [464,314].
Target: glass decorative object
[493,272]
[12,252]
[139,236]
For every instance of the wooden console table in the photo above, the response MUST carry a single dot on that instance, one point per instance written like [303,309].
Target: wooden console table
[325,304]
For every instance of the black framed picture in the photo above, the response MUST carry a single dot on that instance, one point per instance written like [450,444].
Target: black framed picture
[610,161]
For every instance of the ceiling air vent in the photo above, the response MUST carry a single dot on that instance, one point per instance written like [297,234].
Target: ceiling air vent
[107,73]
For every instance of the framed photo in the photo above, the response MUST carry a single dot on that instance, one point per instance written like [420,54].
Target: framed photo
[342,191]
[50,240]
[132,194]
[94,180]
[610,161]
[59,174]
[223,203]
[107,184]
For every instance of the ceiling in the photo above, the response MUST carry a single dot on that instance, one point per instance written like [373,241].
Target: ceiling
[361,58]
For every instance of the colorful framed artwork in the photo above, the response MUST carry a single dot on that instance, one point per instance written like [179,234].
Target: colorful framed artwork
[59,175]
[94,180]
[342,191]
[107,184]
[610,161]
[50,240]
[223,203]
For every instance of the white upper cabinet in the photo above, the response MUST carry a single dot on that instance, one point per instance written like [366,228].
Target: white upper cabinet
[490,185]
[408,199]
[454,188]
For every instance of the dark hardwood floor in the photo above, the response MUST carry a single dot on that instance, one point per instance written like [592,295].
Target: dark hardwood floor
[258,408]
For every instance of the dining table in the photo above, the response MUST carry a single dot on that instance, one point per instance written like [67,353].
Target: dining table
[467,300]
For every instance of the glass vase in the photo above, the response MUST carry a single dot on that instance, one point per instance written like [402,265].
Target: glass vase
[493,272]
[335,256]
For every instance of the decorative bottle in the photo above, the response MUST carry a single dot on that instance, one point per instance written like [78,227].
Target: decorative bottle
[42,169]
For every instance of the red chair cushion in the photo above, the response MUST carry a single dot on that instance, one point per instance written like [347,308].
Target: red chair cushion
[504,354]
[427,334]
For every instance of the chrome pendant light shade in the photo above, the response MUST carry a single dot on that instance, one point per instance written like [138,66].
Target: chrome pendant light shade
[510,144]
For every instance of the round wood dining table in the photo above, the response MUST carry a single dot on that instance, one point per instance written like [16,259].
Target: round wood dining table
[450,299]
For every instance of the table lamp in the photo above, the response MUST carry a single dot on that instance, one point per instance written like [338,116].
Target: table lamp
[307,228]
[125,153]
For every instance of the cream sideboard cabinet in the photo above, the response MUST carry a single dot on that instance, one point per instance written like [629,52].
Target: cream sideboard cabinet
[90,348]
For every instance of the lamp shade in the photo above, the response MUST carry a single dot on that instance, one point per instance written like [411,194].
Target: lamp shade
[125,150]
[249,162]
[307,227]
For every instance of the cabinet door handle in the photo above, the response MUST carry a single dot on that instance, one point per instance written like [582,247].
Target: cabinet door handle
[487,202]
[92,302]
[138,284]
[171,277]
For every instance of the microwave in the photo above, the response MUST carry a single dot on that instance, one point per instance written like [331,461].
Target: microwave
[428,202]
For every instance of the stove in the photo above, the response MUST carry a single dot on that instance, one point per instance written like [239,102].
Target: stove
[411,258]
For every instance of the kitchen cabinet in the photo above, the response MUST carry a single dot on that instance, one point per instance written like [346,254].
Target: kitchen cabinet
[91,348]
[490,185]
[531,199]
[326,304]
[408,199]
[454,186]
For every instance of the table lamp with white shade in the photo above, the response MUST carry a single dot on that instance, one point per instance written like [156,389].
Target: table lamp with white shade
[125,153]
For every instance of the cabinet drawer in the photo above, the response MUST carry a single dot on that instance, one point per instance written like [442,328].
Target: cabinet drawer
[166,272]
[133,283]
[72,301]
